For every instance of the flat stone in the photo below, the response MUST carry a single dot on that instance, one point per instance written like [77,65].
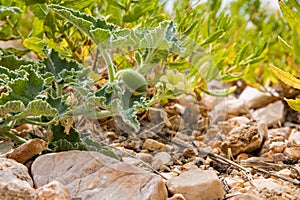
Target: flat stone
[244,139]
[146,157]
[153,145]
[197,184]
[294,138]
[53,191]
[15,181]
[254,98]
[272,114]
[227,109]
[165,157]
[234,182]
[239,120]
[293,152]
[92,175]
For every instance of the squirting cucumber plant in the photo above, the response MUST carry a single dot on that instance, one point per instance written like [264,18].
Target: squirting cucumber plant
[49,81]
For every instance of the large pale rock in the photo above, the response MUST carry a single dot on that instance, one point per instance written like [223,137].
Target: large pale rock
[227,109]
[245,138]
[271,114]
[197,184]
[91,175]
[254,98]
[15,182]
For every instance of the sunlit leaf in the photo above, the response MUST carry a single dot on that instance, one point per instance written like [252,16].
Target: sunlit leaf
[285,77]
[294,104]
[40,107]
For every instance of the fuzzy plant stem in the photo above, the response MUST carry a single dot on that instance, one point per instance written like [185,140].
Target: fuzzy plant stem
[14,137]
[109,63]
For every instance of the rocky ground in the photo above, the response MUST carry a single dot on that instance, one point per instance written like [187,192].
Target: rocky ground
[239,147]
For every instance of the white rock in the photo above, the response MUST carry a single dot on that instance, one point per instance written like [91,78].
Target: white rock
[92,175]
[197,184]
[15,182]
[165,157]
[227,109]
[271,114]
[233,182]
[294,138]
[285,172]
[254,98]
[239,120]
[146,157]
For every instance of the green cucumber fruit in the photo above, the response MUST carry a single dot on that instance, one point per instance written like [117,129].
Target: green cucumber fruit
[134,80]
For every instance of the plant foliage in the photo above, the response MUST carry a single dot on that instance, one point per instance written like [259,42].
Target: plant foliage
[140,47]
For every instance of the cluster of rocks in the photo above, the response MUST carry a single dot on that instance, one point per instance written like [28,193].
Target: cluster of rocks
[161,164]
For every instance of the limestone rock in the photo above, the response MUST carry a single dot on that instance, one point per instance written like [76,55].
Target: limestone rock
[92,175]
[245,138]
[197,184]
[294,138]
[164,157]
[153,145]
[293,152]
[233,182]
[15,182]
[271,114]
[273,189]
[53,191]
[275,141]
[28,150]
[146,157]
[227,109]
[177,197]
[254,98]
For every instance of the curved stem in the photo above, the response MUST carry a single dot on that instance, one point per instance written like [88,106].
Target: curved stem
[109,63]
[14,137]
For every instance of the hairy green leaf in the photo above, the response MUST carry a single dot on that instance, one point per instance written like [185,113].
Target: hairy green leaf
[92,145]
[98,30]
[12,106]
[24,89]
[60,141]
[62,69]
[60,105]
[12,62]
[40,107]
[6,11]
